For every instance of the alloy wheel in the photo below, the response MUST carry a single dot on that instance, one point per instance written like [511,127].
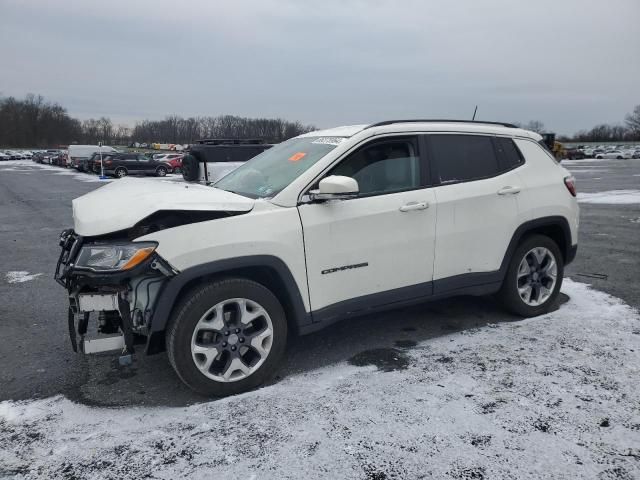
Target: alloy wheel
[537,276]
[232,340]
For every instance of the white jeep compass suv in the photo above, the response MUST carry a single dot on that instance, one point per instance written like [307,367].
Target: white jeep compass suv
[327,225]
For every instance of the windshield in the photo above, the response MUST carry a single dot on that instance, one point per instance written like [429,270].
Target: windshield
[265,175]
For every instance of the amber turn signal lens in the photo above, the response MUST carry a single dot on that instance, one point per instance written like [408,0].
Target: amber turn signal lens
[138,257]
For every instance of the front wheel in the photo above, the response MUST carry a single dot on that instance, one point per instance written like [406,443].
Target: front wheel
[121,172]
[227,337]
[534,277]
[161,172]
[177,170]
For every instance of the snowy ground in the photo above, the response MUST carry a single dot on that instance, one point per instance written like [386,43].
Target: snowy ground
[550,397]
[611,197]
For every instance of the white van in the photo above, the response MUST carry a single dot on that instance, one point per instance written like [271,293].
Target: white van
[77,153]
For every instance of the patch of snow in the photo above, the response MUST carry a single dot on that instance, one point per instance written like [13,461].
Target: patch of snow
[21,276]
[611,197]
[554,396]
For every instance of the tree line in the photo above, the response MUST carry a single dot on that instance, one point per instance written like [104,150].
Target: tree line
[629,131]
[36,122]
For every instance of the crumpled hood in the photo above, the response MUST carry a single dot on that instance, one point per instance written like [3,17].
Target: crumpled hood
[123,203]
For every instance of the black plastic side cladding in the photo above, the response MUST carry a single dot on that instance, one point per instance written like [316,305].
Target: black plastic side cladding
[168,297]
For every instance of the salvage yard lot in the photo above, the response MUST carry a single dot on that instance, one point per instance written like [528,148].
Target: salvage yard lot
[452,389]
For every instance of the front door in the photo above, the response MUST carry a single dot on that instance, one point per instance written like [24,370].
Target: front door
[377,248]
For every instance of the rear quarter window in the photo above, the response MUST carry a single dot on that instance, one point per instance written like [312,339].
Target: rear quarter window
[509,156]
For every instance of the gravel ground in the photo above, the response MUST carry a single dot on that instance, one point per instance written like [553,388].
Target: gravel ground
[453,388]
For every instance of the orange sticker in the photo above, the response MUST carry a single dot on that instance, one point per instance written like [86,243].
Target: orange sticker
[297,156]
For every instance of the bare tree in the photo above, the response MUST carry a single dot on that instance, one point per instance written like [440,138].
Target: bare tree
[535,126]
[633,122]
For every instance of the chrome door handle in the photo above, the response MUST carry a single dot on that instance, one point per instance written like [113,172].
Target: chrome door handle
[509,190]
[414,206]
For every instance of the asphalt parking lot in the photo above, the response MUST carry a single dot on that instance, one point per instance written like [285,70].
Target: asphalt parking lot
[35,205]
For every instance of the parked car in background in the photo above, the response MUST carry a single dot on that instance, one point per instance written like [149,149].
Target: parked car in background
[77,153]
[636,154]
[619,154]
[60,159]
[14,154]
[49,156]
[173,159]
[92,164]
[574,154]
[123,164]
[4,157]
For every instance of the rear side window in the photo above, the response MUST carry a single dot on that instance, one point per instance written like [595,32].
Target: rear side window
[508,154]
[460,158]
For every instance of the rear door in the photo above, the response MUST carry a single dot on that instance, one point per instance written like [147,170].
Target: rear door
[477,200]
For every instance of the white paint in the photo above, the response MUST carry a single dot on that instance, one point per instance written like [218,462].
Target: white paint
[132,199]
[21,276]
[611,197]
[467,402]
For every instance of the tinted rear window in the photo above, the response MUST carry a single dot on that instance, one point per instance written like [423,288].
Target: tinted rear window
[461,158]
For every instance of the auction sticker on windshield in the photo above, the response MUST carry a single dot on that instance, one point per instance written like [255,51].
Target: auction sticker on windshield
[329,140]
[297,156]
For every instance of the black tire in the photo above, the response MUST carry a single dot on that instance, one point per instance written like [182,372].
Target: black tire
[177,170]
[508,293]
[189,311]
[161,171]
[120,172]
[619,157]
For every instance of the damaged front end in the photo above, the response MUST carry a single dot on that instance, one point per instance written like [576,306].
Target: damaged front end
[117,283]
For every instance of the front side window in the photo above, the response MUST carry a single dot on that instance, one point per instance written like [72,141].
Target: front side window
[460,158]
[384,167]
[265,175]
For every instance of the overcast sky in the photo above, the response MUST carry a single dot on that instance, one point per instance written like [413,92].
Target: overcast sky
[568,63]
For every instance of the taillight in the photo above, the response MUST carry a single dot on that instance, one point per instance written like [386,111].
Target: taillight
[108,162]
[570,183]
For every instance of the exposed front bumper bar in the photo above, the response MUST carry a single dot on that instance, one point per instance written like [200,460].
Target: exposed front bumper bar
[97,303]
[105,344]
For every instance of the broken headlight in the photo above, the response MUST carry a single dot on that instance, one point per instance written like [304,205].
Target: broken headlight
[114,257]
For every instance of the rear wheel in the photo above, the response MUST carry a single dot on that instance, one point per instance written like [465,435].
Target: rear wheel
[121,172]
[227,337]
[534,277]
[161,171]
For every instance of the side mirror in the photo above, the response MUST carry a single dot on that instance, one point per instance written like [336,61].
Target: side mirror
[335,187]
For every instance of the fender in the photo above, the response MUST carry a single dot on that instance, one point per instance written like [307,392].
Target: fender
[568,249]
[169,295]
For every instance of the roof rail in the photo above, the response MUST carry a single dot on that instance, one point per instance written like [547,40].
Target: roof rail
[389,122]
